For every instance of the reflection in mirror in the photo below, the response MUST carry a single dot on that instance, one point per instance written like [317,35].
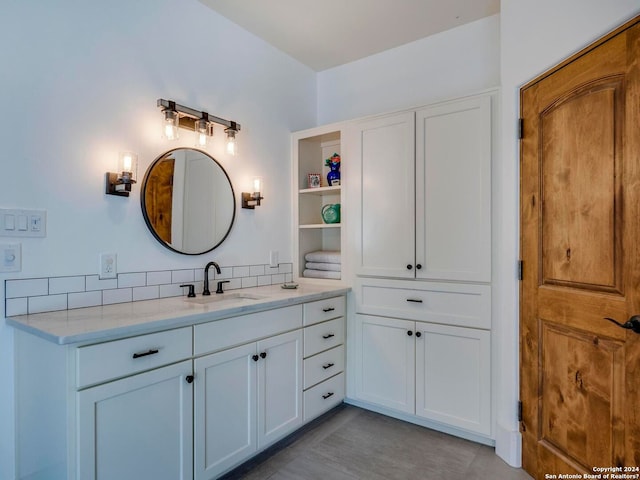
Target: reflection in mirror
[188,201]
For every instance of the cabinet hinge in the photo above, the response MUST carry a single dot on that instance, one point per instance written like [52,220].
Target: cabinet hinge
[520,411]
[520,128]
[520,268]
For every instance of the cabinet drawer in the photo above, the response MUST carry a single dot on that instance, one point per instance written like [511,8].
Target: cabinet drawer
[321,310]
[221,334]
[323,366]
[463,305]
[323,397]
[109,360]
[323,336]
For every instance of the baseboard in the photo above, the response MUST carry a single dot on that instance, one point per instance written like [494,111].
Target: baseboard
[509,446]
[456,432]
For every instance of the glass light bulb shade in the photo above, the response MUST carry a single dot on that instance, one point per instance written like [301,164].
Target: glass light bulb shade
[127,167]
[201,128]
[170,125]
[257,184]
[232,147]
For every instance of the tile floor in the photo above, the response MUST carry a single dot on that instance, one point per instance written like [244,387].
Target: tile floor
[351,443]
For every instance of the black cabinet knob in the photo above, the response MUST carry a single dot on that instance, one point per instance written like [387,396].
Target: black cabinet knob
[409,333]
[418,334]
[409,267]
[263,355]
[189,378]
[255,358]
[418,266]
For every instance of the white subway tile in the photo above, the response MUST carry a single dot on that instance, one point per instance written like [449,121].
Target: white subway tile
[66,284]
[182,276]
[241,272]
[158,278]
[264,280]
[285,268]
[16,306]
[118,295]
[256,270]
[146,293]
[233,284]
[138,279]
[85,299]
[271,270]
[48,303]
[249,282]
[93,282]
[171,290]
[27,288]
[275,279]
[225,274]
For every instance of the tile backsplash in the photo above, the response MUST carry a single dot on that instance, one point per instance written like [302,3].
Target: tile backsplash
[37,295]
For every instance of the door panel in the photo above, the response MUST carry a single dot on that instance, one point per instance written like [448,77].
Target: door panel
[579,206]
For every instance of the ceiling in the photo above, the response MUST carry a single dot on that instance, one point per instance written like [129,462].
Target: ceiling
[326,33]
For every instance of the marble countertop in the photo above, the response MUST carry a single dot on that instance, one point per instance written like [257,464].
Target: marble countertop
[110,322]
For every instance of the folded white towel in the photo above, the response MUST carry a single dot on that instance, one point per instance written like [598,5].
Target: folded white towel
[334,267]
[320,274]
[323,256]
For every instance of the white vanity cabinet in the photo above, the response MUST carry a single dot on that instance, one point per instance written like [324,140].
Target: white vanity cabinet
[423,192]
[436,372]
[248,396]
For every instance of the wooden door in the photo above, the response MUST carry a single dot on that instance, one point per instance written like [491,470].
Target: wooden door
[384,195]
[580,244]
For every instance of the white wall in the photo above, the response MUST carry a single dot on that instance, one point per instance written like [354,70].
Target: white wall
[535,35]
[450,64]
[79,83]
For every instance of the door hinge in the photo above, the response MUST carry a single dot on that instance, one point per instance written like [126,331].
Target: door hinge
[520,411]
[520,268]
[520,128]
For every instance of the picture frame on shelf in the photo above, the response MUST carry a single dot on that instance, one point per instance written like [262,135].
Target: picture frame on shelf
[314,180]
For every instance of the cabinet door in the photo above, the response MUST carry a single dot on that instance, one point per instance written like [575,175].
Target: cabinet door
[138,427]
[385,362]
[225,410]
[279,386]
[453,191]
[453,376]
[384,193]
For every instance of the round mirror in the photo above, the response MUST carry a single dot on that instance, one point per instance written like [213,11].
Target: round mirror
[188,201]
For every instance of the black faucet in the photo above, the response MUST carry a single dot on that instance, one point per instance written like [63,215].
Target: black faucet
[206,276]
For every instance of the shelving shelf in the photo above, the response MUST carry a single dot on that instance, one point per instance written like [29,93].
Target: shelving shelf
[310,149]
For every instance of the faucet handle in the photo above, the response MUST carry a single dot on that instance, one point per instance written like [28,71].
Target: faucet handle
[219,289]
[192,292]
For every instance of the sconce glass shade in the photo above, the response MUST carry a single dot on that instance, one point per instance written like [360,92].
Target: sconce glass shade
[232,147]
[257,185]
[202,132]
[127,167]
[170,125]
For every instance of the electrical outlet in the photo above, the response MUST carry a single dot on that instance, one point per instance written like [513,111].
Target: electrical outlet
[108,266]
[273,258]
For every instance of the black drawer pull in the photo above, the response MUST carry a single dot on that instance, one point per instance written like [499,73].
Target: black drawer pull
[330,309]
[330,394]
[153,351]
[328,335]
[414,300]
[328,365]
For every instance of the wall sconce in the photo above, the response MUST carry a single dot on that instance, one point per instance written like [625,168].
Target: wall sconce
[119,183]
[178,116]
[251,200]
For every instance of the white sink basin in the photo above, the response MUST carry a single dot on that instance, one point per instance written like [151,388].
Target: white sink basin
[217,298]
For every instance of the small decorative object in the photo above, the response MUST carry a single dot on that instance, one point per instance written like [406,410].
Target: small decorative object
[333,162]
[331,213]
[314,180]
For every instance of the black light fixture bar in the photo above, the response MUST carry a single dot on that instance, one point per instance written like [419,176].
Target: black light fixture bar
[188,116]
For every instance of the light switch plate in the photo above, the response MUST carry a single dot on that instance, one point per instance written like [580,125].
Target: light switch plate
[15,222]
[10,257]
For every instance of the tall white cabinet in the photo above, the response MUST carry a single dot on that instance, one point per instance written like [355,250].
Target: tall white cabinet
[420,247]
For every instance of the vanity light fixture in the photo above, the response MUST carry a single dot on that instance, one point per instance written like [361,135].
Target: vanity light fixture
[119,183]
[202,123]
[251,200]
